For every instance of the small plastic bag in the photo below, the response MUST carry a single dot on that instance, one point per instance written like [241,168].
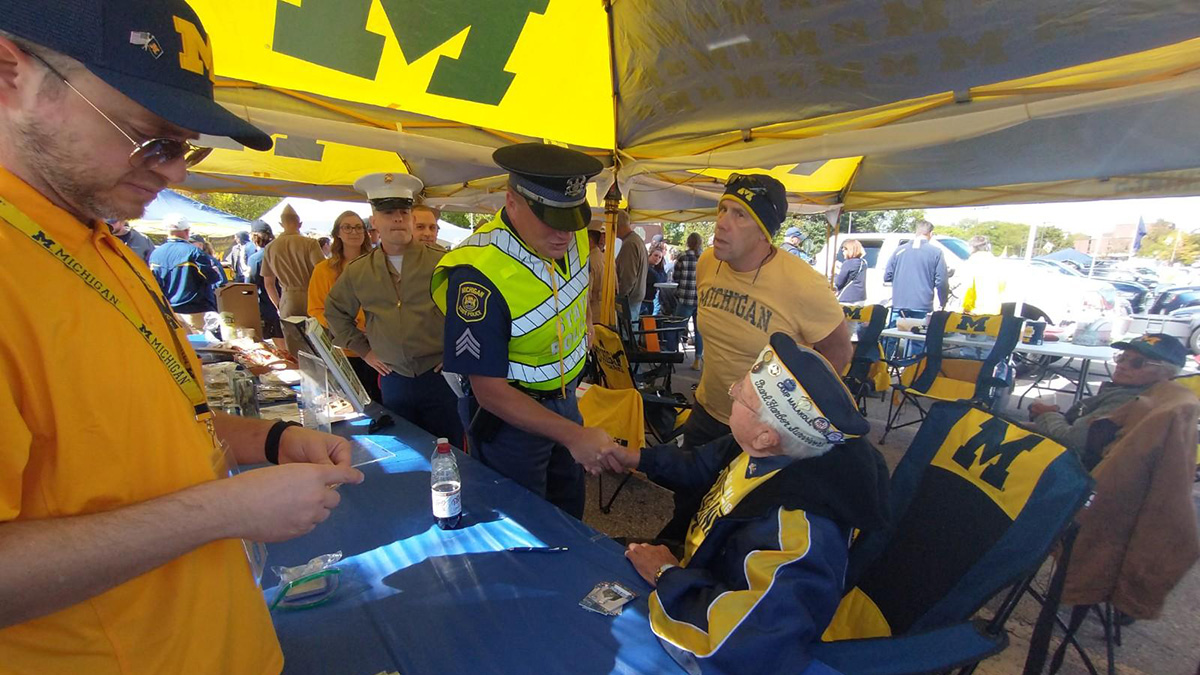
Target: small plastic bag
[309,585]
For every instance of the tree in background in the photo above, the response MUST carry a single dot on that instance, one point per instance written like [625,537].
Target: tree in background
[248,207]
[1164,241]
[1012,237]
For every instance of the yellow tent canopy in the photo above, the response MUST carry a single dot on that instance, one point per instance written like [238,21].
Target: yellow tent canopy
[945,103]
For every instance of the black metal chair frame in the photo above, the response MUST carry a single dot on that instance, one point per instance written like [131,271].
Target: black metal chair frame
[663,361]
[857,378]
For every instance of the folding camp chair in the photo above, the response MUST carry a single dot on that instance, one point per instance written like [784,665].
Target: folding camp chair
[655,414]
[956,373]
[645,346]
[977,503]
[866,374]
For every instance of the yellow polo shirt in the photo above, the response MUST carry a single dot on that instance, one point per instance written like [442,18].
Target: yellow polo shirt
[739,311]
[92,421]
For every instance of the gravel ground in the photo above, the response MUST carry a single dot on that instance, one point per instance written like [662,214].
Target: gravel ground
[1167,646]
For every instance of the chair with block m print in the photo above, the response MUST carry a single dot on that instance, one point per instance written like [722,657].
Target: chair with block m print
[977,503]
[966,358]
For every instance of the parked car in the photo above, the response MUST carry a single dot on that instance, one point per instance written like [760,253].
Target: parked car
[1073,297]
[1173,298]
[1133,294]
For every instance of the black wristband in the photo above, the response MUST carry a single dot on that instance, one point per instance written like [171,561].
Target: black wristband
[271,448]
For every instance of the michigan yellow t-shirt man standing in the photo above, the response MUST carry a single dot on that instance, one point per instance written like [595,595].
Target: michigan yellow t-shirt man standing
[119,548]
[747,291]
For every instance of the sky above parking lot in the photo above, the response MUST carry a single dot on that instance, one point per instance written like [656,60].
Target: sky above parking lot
[1091,218]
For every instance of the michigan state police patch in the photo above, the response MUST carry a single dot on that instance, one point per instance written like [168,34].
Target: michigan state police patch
[472,302]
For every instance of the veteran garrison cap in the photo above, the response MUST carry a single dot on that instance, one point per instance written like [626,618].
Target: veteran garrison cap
[156,52]
[390,191]
[799,388]
[553,180]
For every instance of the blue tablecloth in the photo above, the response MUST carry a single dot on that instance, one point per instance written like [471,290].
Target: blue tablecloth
[417,599]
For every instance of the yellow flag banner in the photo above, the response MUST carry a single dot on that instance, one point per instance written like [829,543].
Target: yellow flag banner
[533,67]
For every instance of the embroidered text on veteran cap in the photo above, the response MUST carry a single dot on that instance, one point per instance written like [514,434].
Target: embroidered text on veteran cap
[799,388]
[156,52]
[764,196]
[553,180]
[390,191]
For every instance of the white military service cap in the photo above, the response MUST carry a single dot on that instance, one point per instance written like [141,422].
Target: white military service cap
[390,191]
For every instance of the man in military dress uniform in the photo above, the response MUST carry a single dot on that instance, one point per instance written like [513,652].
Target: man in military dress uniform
[403,340]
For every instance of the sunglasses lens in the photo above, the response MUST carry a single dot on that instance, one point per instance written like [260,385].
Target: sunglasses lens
[158,151]
[196,154]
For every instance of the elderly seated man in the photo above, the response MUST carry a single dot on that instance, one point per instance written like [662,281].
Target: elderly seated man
[1143,363]
[765,558]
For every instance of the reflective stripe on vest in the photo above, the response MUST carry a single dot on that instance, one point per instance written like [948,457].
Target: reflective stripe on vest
[528,283]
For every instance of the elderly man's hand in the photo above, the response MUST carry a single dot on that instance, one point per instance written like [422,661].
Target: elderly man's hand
[620,459]
[1037,409]
[298,444]
[648,558]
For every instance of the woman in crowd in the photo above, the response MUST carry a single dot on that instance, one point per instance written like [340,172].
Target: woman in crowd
[851,280]
[350,240]
[655,274]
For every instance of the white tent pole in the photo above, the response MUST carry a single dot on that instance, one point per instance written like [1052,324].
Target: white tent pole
[1028,257]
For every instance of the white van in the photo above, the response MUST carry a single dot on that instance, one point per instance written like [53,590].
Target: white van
[879,248]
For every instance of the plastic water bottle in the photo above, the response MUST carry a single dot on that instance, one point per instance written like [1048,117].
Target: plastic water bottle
[446,485]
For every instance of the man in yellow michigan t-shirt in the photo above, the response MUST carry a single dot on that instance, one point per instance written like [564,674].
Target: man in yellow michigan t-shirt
[119,549]
[748,290]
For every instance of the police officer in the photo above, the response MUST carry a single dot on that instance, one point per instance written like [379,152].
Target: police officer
[390,285]
[515,297]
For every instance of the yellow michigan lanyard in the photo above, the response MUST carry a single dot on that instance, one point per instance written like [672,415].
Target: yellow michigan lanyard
[176,364]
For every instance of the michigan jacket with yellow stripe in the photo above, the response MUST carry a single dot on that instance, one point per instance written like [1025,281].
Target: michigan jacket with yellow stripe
[765,561]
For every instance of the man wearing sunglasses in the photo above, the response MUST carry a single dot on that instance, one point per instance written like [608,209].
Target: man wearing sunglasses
[119,550]
[1142,363]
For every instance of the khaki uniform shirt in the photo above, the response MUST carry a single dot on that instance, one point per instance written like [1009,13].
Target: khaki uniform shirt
[404,327]
[291,259]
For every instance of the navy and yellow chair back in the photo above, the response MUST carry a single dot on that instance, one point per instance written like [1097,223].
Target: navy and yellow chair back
[977,504]
[866,374]
[956,372]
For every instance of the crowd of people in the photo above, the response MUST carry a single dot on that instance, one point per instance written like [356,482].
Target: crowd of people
[120,552]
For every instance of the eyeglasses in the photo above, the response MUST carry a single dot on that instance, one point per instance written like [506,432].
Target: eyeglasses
[1136,361]
[735,393]
[149,154]
[351,228]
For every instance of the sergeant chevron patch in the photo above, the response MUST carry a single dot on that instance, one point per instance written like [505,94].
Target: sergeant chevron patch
[466,343]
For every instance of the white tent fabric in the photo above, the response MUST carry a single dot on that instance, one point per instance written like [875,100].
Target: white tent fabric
[316,217]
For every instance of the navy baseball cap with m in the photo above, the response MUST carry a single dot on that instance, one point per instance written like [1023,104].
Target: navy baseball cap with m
[1157,346]
[156,52]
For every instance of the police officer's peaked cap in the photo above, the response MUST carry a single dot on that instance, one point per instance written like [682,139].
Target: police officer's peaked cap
[390,191]
[553,180]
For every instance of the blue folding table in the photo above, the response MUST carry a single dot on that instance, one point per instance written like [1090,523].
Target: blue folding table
[417,599]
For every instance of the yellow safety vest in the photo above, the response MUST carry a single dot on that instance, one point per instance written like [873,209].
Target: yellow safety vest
[548,337]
